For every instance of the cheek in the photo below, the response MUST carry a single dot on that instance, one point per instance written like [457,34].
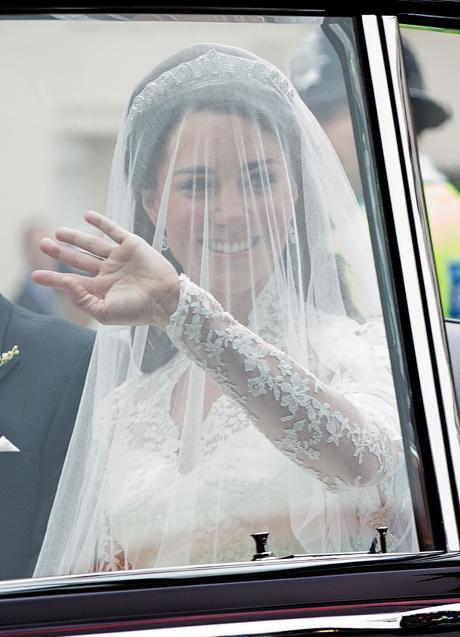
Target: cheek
[184,219]
[276,212]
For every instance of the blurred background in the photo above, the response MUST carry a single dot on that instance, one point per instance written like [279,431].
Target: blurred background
[431,67]
[67,83]
[64,92]
[437,54]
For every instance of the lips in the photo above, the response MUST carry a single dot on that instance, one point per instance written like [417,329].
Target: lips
[231,247]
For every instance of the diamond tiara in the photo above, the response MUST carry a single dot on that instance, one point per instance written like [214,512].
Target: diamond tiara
[212,67]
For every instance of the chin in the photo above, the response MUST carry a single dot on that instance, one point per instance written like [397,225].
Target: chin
[236,281]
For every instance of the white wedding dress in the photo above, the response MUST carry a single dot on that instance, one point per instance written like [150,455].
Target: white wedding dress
[246,479]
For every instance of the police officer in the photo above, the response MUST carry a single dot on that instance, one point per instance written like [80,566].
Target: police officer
[318,77]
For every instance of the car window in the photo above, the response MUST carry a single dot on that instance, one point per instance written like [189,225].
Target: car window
[434,104]
[246,397]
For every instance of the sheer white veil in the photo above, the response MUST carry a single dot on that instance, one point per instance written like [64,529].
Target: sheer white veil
[208,111]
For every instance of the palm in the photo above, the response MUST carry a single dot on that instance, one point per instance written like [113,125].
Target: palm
[124,283]
[129,277]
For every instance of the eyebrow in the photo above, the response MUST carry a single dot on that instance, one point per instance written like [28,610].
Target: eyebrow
[193,170]
[202,170]
[258,162]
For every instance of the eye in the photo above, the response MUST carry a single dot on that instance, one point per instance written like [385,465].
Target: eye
[260,180]
[197,185]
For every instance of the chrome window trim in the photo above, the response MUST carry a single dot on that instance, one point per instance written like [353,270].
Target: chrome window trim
[430,283]
[382,621]
[383,86]
[386,622]
[183,575]
[434,617]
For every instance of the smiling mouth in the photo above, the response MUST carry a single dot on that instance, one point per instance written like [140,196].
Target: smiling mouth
[231,247]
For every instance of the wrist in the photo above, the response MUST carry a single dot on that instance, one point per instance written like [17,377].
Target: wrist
[169,302]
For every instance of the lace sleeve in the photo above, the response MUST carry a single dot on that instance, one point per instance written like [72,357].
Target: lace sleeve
[309,421]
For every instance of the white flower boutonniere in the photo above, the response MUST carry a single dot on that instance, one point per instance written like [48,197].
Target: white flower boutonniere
[7,356]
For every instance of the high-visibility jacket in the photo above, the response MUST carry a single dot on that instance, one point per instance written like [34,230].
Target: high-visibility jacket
[443,208]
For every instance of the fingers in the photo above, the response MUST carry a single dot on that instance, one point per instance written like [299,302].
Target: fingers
[74,258]
[79,289]
[110,228]
[59,280]
[95,245]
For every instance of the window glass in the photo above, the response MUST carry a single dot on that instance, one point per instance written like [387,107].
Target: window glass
[435,101]
[243,381]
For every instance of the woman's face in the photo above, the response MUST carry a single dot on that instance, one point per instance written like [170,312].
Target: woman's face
[230,200]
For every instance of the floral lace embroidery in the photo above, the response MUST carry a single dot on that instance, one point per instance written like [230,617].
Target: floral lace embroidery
[207,334]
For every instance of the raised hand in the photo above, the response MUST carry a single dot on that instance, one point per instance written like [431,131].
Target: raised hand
[131,283]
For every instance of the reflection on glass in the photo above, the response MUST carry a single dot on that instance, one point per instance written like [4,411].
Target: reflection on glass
[434,102]
[243,382]
[317,74]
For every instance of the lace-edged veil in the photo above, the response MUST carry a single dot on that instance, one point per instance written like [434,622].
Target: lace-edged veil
[222,167]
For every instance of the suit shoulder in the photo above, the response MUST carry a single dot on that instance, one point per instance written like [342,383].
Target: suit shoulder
[48,331]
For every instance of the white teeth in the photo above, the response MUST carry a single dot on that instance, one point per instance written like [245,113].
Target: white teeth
[229,248]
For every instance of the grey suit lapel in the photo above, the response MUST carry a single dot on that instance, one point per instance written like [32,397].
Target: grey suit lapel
[6,311]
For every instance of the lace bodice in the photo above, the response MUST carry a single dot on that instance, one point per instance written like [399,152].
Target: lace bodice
[279,449]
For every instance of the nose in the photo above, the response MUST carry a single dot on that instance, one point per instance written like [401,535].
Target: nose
[232,206]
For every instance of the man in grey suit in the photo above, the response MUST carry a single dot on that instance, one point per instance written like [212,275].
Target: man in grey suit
[40,390]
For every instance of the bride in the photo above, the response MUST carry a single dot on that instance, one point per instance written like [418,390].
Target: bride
[242,380]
